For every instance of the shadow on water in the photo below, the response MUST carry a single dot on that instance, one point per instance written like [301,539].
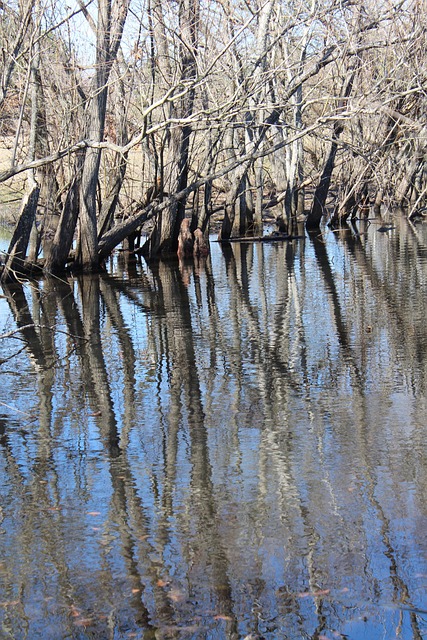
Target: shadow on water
[228,449]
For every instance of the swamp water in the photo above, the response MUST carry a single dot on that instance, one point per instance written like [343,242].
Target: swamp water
[230,451]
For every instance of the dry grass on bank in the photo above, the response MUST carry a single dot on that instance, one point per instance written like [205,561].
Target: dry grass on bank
[10,192]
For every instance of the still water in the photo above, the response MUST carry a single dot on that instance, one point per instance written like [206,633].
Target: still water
[230,450]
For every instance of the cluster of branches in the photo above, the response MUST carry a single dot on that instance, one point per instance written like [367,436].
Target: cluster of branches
[188,106]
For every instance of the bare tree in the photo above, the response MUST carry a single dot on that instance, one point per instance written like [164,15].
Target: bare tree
[111,19]
[216,100]
[19,243]
[164,237]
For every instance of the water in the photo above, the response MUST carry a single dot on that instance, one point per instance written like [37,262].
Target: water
[229,451]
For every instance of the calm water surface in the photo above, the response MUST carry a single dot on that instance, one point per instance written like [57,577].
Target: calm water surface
[233,450]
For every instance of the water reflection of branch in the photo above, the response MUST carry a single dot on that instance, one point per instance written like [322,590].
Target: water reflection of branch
[42,351]
[366,471]
[12,355]
[185,384]
[16,410]
[270,358]
[9,334]
[387,290]
[21,313]
[129,516]
[277,437]
[276,379]
[41,525]
[53,328]
[367,476]
[90,296]
[110,297]
[325,268]
[126,508]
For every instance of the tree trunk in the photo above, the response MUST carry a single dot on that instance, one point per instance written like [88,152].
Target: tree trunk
[56,258]
[243,208]
[322,189]
[17,250]
[111,19]
[321,192]
[238,212]
[259,190]
[163,239]
[403,189]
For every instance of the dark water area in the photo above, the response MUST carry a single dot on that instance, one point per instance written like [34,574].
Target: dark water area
[230,450]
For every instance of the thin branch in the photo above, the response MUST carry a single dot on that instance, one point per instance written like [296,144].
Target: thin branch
[13,333]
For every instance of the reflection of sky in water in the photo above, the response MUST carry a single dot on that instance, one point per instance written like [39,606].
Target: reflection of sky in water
[271,418]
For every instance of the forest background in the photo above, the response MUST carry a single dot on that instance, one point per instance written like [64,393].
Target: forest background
[124,115]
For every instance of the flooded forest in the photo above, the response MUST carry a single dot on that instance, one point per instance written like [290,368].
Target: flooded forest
[213,339]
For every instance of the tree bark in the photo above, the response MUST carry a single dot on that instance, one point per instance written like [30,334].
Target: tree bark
[321,192]
[17,250]
[164,238]
[58,254]
[111,20]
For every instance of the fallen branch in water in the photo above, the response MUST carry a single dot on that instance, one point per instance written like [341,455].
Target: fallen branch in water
[27,415]
[276,237]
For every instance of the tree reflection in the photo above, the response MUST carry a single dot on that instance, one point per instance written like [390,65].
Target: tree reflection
[219,449]
[204,550]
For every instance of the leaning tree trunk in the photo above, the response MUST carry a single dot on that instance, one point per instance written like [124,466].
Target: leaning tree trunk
[16,254]
[321,192]
[57,256]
